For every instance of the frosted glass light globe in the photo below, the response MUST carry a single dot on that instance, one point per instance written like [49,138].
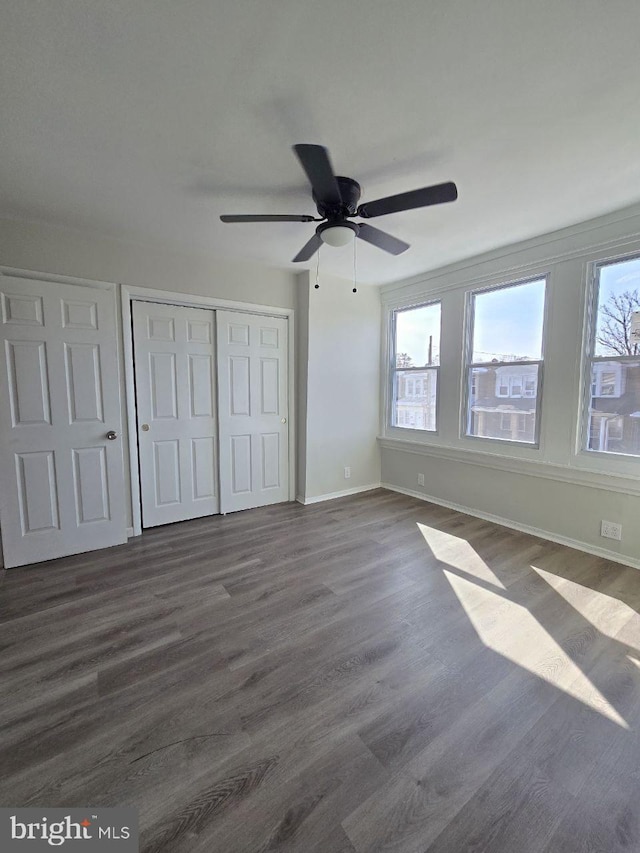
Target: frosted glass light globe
[337,235]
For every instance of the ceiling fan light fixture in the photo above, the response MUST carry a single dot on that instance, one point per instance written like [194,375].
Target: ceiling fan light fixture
[338,235]
[336,197]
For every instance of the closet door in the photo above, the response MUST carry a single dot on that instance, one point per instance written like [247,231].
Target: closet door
[253,406]
[175,371]
[60,422]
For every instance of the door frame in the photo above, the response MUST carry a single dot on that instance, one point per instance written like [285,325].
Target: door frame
[95,284]
[164,297]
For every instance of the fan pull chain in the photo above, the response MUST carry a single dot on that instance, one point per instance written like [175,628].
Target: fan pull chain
[355,266]
[317,286]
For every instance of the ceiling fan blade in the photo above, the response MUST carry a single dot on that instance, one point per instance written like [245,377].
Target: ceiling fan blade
[381,239]
[317,166]
[437,194]
[259,217]
[309,249]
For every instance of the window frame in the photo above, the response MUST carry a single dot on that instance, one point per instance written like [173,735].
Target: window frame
[590,359]
[395,428]
[468,365]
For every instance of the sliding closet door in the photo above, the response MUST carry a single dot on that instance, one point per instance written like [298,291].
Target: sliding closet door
[174,351]
[253,406]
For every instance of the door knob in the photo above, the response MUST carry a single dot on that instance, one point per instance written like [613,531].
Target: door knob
[112,435]
[284,420]
[145,427]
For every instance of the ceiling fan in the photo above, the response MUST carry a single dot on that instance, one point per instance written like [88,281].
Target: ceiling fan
[336,199]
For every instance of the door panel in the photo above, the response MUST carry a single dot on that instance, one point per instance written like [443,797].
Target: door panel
[241,464]
[270,460]
[164,385]
[21,309]
[253,405]
[201,386]
[83,382]
[199,332]
[28,384]
[176,400]
[37,491]
[269,392]
[79,314]
[203,454]
[62,480]
[239,385]
[90,483]
[167,472]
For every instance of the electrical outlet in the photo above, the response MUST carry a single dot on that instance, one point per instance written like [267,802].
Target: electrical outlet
[421,479]
[347,472]
[611,530]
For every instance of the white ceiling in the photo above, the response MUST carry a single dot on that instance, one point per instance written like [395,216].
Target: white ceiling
[147,119]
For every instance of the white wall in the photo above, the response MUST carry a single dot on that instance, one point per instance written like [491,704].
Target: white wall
[302,371]
[339,346]
[558,489]
[51,249]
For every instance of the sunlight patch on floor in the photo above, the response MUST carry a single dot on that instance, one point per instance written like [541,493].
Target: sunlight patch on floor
[606,613]
[457,552]
[520,638]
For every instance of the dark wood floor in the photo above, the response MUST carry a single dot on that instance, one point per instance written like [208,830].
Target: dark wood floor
[372,673]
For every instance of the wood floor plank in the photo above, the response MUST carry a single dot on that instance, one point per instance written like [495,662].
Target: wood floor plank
[368,674]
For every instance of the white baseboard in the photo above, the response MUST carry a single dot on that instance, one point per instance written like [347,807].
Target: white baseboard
[523,528]
[342,494]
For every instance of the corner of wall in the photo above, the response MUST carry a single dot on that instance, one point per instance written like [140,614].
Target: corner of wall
[302,378]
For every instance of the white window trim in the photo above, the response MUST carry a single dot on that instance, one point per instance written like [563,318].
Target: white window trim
[604,461]
[389,427]
[468,363]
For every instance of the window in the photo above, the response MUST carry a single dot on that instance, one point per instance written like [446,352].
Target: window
[606,379]
[519,385]
[504,362]
[416,360]
[613,405]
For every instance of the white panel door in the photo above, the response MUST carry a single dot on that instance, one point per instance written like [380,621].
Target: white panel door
[253,404]
[62,483]
[174,350]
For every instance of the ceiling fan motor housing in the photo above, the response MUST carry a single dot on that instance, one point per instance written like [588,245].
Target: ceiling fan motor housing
[350,192]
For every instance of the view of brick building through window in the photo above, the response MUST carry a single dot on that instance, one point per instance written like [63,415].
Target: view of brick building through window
[503,394]
[614,423]
[614,410]
[416,399]
[502,401]
[417,362]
